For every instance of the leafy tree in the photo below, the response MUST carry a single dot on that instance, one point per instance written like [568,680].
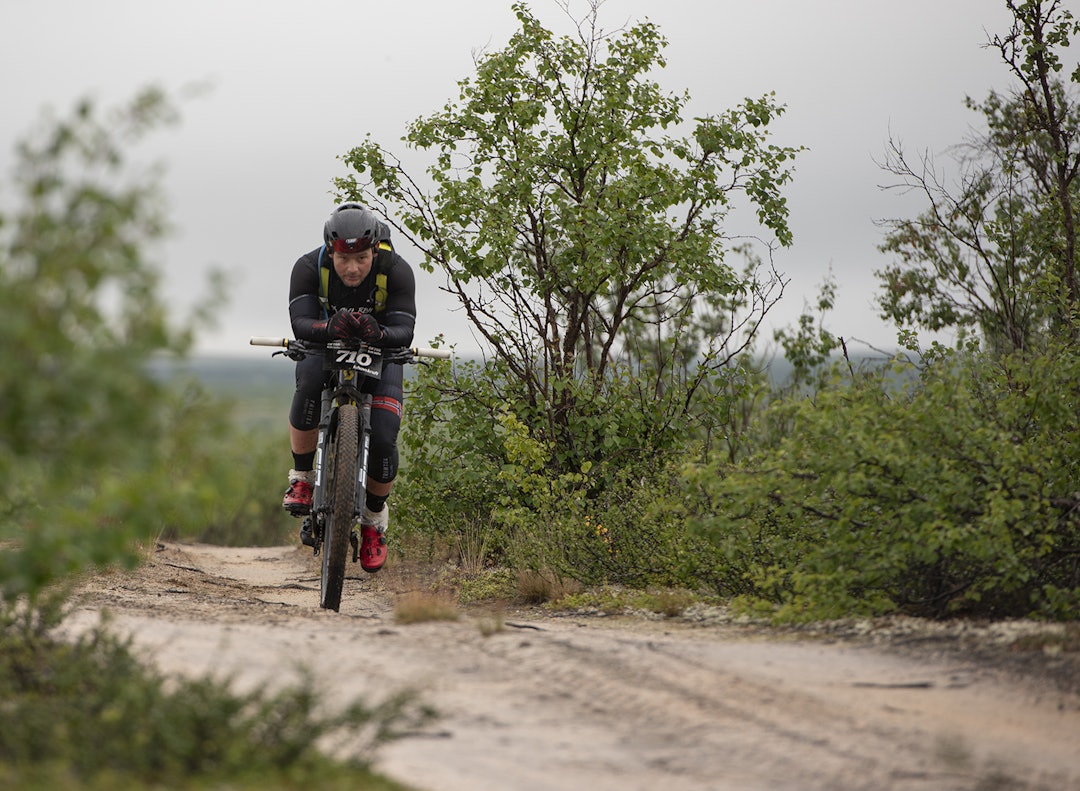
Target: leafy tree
[996,254]
[586,245]
[95,452]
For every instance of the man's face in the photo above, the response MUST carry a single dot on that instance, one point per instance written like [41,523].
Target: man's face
[352,268]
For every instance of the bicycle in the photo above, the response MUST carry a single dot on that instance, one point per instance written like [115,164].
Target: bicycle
[341,454]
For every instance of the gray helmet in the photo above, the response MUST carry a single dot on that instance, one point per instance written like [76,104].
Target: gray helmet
[352,228]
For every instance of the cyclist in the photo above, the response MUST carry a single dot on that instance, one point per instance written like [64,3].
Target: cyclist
[353,286]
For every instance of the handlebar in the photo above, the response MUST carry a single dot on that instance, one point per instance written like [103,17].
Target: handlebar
[264,341]
[434,354]
[293,343]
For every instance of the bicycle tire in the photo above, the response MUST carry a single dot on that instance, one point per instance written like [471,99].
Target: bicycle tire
[342,478]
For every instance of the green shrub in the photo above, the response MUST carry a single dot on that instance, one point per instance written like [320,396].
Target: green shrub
[89,710]
[99,457]
[480,471]
[955,493]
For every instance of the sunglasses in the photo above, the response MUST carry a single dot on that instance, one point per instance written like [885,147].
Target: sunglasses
[348,246]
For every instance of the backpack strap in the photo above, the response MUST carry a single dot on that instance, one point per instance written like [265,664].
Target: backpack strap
[380,278]
[324,284]
[380,292]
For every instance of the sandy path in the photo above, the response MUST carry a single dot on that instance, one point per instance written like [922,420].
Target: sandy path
[601,703]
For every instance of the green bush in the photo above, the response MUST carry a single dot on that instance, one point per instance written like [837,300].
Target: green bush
[88,712]
[631,532]
[100,456]
[479,475]
[954,493]
[88,468]
[450,456]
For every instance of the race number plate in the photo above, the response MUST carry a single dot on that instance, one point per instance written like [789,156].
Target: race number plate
[366,360]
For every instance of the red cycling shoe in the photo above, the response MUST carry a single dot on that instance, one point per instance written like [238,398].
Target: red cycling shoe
[372,548]
[298,497]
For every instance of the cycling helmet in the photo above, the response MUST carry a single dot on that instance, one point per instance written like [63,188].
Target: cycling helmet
[352,228]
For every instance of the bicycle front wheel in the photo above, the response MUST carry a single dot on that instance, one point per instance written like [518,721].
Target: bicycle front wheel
[342,479]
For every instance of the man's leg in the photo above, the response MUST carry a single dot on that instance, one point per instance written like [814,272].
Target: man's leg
[304,434]
[386,412]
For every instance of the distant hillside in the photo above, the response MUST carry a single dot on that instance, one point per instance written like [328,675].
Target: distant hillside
[232,374]
[253,375]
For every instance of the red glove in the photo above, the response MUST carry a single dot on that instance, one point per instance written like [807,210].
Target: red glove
[344,324]
[367,328]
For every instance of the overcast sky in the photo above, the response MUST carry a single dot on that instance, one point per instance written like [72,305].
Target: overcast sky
[295,85]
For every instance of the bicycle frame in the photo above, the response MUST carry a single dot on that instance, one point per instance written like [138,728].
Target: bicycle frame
[352,366]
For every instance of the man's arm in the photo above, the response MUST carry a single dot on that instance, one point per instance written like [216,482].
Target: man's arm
[305,312]
[399,319]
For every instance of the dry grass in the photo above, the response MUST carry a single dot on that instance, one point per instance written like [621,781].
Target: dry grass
[423,606]
[669,603]
[472,547]
[540,587]
[1051,642]
[491,620]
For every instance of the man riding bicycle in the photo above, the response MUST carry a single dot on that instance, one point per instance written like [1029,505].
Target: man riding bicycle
[353,286]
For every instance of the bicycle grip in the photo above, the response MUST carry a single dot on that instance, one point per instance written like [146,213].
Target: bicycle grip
[437,354]
[263,341]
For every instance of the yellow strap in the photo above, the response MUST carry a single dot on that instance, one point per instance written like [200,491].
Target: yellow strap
[380,290]
[324,290]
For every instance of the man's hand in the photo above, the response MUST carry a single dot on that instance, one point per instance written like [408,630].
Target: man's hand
[353,324]
[344,324]
[367,328]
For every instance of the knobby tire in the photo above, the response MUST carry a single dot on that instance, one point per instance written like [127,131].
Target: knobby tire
[343,487]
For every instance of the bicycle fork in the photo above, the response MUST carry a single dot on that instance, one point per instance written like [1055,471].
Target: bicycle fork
[311,532]
[360,493]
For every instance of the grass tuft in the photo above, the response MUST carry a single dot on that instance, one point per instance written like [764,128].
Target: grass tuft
[423,606]
[540,587]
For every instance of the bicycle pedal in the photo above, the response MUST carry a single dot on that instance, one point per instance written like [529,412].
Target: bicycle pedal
[307,535]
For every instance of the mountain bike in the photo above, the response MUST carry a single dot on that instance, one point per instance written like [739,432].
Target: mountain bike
[341,456]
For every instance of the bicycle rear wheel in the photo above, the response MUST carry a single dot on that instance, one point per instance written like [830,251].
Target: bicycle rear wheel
[342,479]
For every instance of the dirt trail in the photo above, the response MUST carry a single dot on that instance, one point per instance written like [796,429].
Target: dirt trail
[587,702]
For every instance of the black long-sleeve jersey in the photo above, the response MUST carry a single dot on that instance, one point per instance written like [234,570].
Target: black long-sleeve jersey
[397,316]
